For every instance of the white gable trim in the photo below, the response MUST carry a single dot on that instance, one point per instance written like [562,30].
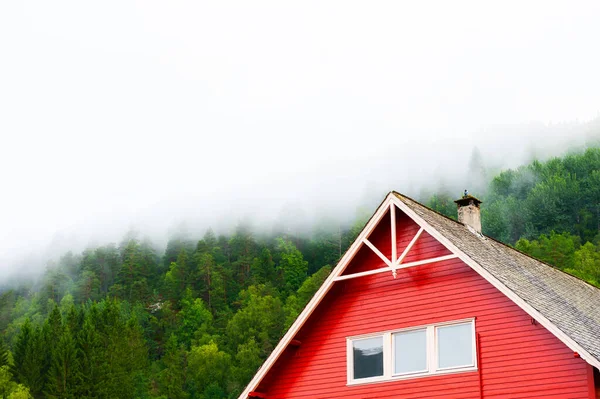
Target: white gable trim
[349,255]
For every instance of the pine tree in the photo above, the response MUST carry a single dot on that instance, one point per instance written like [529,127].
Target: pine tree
[3,354]
[107,265]
[173,376]
[195,320]
[53,325]
[263,268]
[125,352]
[133,276]
[30,358]
[292,264]
[64,373]
[261,318]
[243,251]
[205,266]
[92,362]
[88,286]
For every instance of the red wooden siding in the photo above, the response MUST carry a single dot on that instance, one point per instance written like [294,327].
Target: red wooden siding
[595,381]
[518,359]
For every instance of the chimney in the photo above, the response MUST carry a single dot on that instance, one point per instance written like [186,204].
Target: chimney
[468,212]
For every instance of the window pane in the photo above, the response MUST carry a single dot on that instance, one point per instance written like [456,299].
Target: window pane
[368,357]
[455,345]
[410,351]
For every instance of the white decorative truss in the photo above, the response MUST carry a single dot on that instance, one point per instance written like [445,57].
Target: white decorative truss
[397,261]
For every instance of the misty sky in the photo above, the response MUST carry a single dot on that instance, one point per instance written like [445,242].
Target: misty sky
[122,113]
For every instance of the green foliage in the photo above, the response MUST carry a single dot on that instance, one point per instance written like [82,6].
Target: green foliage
[208,369]
[261,317]
[173,377]
[560,195]
[3,354]
[586,263]
[443,203]
[292,265]
[64,372]
[9,389]
[92,356]
[547,210]
[198,320]
[247,360]
[30,358]
[295,303]
[556,249]
[138,264]
[195,320]
[263,268]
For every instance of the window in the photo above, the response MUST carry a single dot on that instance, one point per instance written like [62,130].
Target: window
[368,357]
[410,352]
[420,351]
[455,346]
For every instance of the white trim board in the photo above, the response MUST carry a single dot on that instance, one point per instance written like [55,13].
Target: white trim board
[390,200]
[393,269]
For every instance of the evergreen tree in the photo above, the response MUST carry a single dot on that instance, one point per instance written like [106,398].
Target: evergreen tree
[30,359]
[107,265]
[208,369]
[88,286]
[173,377]
[292,265]
[3,353]
[9,389]
[247,360]
[261,317]
[205,267]
[91,358]
[195,320]
[134,273]
[243,251]
[263,268]
[65,373]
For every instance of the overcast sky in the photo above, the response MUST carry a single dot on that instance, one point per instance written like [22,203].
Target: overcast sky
[121,113]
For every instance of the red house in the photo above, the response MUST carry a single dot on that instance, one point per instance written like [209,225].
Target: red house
[422,306]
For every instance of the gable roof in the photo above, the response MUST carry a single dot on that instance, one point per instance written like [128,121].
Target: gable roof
[565,305]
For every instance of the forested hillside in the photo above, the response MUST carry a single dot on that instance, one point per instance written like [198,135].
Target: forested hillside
[197,320]
[123,321]
[550,210]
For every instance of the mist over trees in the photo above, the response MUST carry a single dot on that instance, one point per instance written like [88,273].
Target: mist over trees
[550,210]
[194,321]
[197,319]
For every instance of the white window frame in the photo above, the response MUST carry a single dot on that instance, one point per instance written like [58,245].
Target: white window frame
[389,354]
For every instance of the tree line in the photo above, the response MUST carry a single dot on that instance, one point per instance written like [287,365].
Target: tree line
[122,321]
[197,319]
[549,210]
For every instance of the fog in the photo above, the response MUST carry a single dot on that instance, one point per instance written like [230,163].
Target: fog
[157,115]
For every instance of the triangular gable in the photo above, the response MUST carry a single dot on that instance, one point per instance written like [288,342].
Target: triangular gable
[412,244]
[407,223]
